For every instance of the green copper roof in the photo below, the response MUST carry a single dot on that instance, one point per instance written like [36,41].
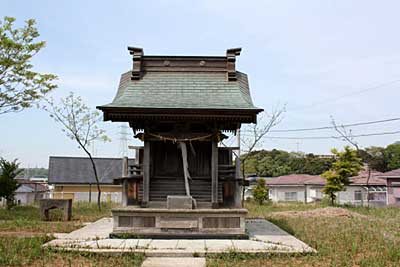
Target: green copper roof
[188,90]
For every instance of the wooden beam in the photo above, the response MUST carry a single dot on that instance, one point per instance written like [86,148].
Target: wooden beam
[238,186]
[135,147]
[146,174]
[214,174]
[137,58]
[230,62]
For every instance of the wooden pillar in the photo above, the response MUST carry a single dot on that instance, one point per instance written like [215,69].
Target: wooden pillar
[124,173]
[214,174]
[238,187]
[146,174]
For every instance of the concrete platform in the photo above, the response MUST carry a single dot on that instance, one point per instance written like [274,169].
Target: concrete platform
[265,237]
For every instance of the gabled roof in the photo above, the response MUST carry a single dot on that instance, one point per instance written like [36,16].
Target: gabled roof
[29,187]
[78,170]
[183,90]
[182,86]
[362,178]
[316,180]
[296,179]
[392,173]
[305,179]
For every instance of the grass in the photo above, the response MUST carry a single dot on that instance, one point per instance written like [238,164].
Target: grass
[27,218]
[371,238]
[28,252]
[261,211]
[22,233]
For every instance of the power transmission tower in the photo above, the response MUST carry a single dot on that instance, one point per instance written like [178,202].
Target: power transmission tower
[297,146]
[93,148]
[123,140]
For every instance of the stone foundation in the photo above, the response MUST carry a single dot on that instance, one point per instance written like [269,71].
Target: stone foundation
[179,223]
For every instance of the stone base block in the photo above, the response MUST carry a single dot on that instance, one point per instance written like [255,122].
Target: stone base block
[179,202]
[133,222]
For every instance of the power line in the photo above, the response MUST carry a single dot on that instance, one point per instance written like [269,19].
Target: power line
[346,95]
[328,137]
[330,127]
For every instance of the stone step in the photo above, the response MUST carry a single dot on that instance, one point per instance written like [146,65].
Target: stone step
[174,262]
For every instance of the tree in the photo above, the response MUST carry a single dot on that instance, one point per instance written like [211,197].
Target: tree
[347,164]
[375,158]
[316,165]
[382,159]
[8,184]
[80,124]
[392,155]
[260,191]
[29,172]
[278,162]
[347,135]
[20,86]
[257,132]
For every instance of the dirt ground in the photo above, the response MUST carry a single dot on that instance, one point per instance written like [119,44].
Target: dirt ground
[324,212]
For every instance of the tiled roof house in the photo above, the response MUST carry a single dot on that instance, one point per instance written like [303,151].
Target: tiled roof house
[308,188]
[392,179]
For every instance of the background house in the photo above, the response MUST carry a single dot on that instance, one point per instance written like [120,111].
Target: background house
[308,188]
[73,177]
[393,186]
[295,187]
[29,192]
[360,187]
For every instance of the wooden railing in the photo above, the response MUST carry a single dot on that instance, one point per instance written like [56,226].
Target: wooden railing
[226,172]
[135,170]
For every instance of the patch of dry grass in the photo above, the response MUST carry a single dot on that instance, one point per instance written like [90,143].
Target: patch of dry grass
[368,237]
[22,234]
[17,251]
[27,218]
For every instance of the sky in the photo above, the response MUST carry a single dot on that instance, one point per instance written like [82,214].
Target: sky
[322,59]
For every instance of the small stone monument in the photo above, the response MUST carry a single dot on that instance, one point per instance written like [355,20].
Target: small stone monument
[47,204]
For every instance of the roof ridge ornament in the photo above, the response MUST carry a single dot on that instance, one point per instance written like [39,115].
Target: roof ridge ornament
[137,58]
[230,62]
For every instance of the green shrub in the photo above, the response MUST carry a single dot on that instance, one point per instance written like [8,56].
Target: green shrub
[260,191]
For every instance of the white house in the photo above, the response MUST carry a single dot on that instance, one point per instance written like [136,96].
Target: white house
[295,187]
[392,179]
[28,192]
[308,188]
[361,187]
